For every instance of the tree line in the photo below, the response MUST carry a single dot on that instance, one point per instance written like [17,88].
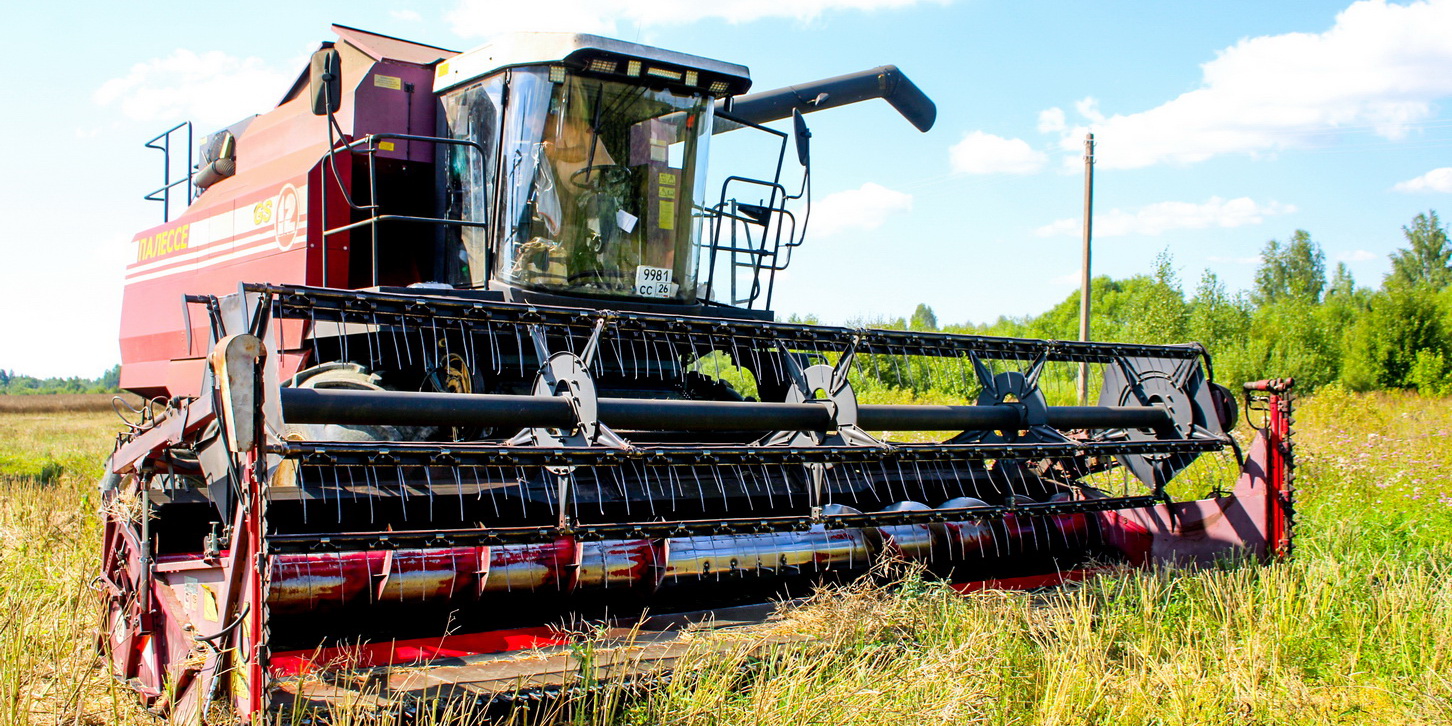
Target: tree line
[14,384]
[1295,321]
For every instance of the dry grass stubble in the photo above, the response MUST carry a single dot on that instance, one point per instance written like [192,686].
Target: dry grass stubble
[1353,630]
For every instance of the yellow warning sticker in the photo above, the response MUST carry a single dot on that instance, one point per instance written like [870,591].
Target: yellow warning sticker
[393,82]
[667,192]
[209,604]
[442,70]
[667,214]
[385,146]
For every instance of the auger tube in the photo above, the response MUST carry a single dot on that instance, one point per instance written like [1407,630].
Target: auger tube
[885,82]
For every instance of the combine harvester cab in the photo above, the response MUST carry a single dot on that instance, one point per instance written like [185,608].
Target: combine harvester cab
[468,358]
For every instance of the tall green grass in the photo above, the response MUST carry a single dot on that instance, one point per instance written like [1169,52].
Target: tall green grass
[1356,628]
[50,549]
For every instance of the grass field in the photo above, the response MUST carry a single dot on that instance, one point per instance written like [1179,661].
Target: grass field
[1356,628]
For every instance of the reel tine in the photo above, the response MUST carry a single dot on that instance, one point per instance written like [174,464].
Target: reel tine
[302,490]
[479,490]
[467,343]
[856,492]
[402,493]
[642,474]
[369,496]
[886,480]
[901,478]
[746,490]
[519,480]
[434,324]
[952,467]
[494,364]
[634,361]
[657,360]
[429,485]
[617,343]
[696,475]
[458,490]
[373,358]
[992,475]
[393,335]
[619,477]
[599,496]
[922,486]
[519,348]
[407,346]
[453,567]
[735,353]
[572,486]
[695,354]
[770,483]
[721,485]
[756,358]
[1036,522]
[496,486]
[313,334]
[671,482]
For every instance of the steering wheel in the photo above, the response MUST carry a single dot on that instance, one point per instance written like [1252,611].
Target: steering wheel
[597,175]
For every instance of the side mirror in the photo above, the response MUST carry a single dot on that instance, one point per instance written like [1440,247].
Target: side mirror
[325,81]
[803,137]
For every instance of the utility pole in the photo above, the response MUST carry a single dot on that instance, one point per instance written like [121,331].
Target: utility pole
[1085,276]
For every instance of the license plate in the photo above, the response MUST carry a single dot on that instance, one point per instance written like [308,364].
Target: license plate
[654,282]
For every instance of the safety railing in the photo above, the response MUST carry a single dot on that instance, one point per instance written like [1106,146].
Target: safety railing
[163,143]
[369,146]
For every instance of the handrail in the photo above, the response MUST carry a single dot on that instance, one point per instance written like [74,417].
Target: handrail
[370,148]
[164,191]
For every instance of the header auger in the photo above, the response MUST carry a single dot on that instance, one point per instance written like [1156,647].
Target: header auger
[466,356]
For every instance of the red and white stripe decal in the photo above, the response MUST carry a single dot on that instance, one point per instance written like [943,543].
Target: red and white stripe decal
[269,226]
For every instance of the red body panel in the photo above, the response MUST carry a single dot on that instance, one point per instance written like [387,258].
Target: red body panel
[263,224]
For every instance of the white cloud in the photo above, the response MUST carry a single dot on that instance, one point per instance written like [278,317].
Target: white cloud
[489,17]
[866,207]
[981,153]
[1051,120]
[1436,180]
[1380,67]
[407,16]
[212,88]
[1356,256]
[1161,217]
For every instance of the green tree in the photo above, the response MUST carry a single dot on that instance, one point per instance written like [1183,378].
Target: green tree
[1157,313]
[1426,260]
[1295,271]
[1221,322]
[1383,346]
[1342,285]
[111,379]
[923,319]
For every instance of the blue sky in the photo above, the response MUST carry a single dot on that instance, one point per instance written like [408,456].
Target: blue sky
[1220,126]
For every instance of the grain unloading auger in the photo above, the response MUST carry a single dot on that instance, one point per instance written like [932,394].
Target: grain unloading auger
[500,394]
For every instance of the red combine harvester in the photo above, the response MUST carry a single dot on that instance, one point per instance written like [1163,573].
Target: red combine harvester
[451,350]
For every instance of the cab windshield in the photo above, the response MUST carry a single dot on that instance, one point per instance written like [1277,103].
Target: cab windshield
[600,185]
